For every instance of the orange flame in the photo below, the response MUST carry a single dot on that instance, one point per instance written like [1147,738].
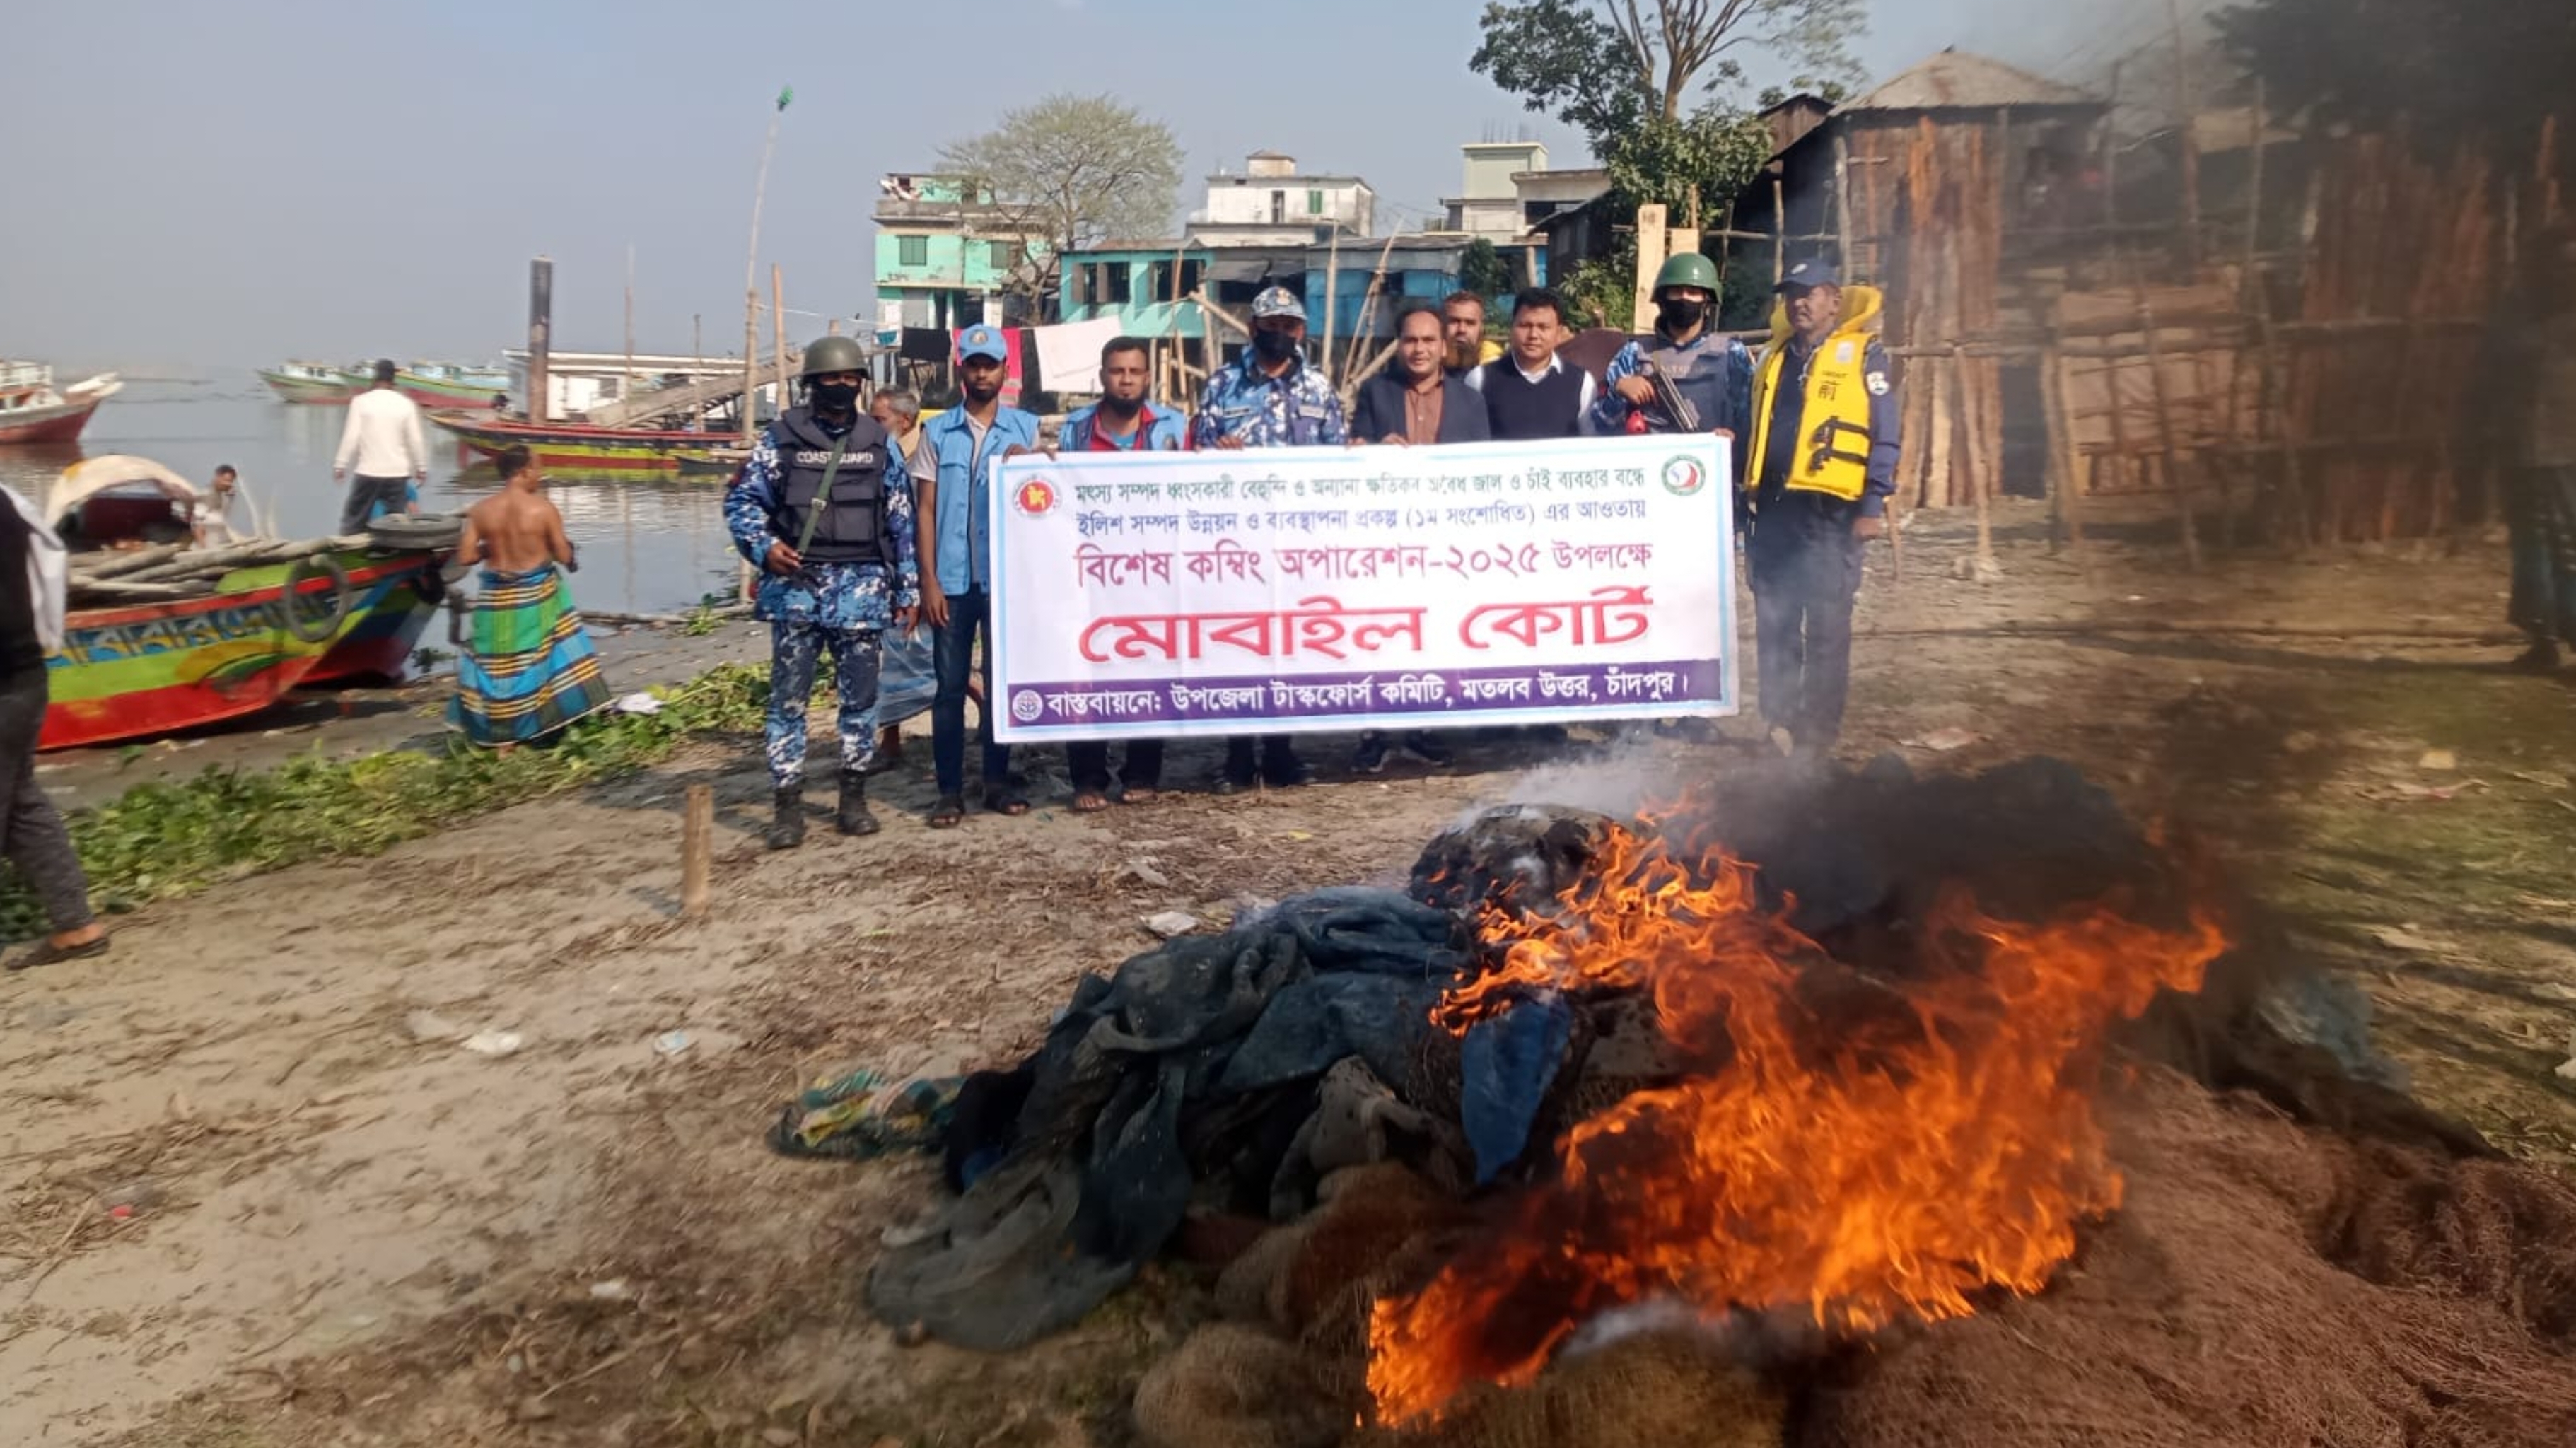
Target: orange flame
[1855,1151]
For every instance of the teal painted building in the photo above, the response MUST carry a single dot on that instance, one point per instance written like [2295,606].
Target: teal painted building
[947,259]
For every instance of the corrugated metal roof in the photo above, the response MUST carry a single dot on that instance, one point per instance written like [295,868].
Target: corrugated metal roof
[1958,80]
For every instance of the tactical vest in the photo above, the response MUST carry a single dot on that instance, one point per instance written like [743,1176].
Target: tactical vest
[1832,454]
[1699,375]
[852,528]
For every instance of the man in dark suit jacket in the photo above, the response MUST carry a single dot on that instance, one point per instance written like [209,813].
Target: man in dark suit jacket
[1416,401]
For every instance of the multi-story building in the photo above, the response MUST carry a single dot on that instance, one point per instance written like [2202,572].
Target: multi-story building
[1509,191]
[949,259]
[1272,192]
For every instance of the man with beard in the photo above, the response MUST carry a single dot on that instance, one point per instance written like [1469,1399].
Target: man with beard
[1712,373]
[1823,465]
[1121,421]
[824,508]
[1462,332]
[1269,397]
[956,544]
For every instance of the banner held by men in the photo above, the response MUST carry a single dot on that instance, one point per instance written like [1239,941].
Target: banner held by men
[1319,589]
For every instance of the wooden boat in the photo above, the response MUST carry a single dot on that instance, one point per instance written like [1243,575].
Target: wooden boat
[144,657]
[574,445]
[32,411]
[311,382]
[448,386]
[722,462]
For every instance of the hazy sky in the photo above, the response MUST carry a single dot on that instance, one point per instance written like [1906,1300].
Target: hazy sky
[223,184]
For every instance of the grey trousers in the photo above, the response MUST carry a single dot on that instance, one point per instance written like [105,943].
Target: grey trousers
[31,829]
[365,493]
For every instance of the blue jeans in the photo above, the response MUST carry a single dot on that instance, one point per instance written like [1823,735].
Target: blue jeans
[952,654]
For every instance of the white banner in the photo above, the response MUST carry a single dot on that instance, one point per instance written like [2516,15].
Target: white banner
[1305,590]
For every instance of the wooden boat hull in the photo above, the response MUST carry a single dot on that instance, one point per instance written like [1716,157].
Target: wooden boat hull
[458,394]
[142,670]
[587,449]
[48,423]
[290,387]
[380,643]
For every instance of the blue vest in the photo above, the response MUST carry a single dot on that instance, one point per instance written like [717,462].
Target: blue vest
[1699,375]
[852,525]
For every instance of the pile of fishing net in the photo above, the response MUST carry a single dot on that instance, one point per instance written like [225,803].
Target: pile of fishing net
[2303,1255]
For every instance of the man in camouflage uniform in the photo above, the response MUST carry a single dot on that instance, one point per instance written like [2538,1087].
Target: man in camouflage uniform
[824,509]
[1269,397]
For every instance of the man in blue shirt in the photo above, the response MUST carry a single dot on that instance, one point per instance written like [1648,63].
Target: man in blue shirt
[955,509]
[1121,421]
[1269,397]
[823,508]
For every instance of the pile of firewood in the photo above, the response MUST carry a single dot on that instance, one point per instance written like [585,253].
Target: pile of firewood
[175,570]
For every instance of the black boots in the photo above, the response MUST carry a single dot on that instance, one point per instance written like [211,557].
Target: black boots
[787,830]
[854,817]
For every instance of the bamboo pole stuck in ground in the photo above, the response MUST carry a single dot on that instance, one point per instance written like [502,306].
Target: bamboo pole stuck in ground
[697,851]
[1368,308]
[1653,235]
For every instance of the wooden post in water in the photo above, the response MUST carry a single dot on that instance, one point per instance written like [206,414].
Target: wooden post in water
[541,311]
[778,335]
[697,851]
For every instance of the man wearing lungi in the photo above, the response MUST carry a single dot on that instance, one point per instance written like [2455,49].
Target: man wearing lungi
[530,669]
[824,508]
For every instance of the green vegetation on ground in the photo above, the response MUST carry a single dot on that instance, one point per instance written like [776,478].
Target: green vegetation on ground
[162,840]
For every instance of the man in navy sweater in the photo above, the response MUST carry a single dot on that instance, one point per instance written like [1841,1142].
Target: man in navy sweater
[1529,391]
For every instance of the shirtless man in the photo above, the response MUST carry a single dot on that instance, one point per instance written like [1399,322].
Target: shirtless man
[529,669]
[516,530]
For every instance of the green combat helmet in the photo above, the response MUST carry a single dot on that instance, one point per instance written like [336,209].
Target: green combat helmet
[1690,269]
[834,354]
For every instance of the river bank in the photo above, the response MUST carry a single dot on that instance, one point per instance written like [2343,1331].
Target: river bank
[341,1225]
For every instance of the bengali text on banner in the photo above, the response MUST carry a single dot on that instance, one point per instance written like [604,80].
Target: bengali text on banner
[1303,590]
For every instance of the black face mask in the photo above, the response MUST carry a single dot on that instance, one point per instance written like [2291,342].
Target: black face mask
[1680,316]
[1274,346]
[836,396]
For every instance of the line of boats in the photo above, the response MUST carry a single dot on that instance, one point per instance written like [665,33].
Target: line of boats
[468,403]
[447,386]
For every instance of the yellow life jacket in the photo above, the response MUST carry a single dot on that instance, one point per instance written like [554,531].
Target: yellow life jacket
[1833,457]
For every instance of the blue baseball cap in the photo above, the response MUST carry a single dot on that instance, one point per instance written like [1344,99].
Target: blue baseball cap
[1810,274]
[982,341]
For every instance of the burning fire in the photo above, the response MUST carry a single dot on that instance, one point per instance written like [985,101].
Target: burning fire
[1848,1150]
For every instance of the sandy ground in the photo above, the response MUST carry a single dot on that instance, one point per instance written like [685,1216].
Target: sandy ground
[259,1194]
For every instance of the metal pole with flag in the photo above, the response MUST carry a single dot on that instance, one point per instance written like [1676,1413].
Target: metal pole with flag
[751,270]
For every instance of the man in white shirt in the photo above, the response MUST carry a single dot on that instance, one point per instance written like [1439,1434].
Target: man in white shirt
[213,520]
[382,442]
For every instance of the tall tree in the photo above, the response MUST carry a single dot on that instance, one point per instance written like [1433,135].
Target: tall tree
[1604,64]
[1651,83]
[1064,173]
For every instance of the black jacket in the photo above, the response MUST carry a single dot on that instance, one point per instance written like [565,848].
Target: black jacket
[1378,411]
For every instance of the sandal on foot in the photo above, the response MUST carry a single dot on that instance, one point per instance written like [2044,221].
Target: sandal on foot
[49,953]
[1138,794]
[948,813]
[1003,802]
[1090,801]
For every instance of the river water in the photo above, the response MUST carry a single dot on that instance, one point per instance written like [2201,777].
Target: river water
[649,544]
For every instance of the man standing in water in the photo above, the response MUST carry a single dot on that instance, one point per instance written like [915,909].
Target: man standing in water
[382,440]
[823,508]
[531,669]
